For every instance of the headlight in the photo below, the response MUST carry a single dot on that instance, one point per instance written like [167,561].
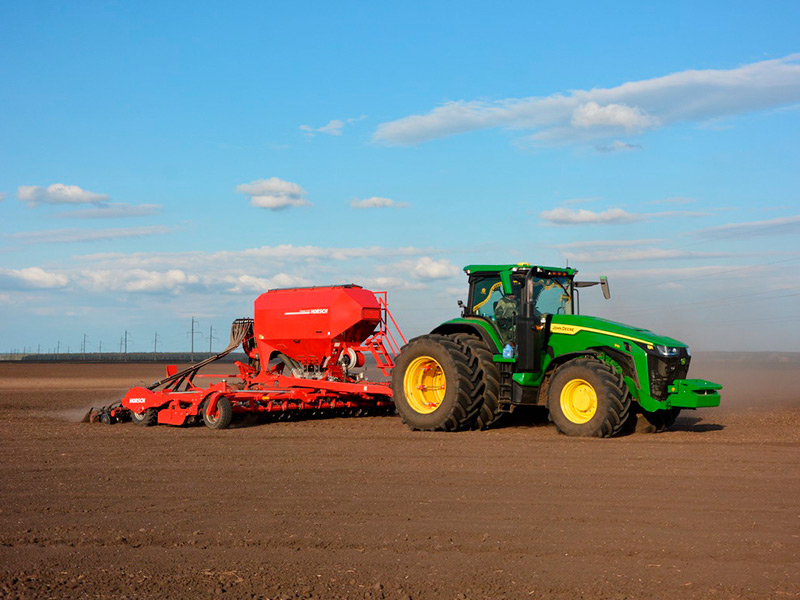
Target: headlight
[668,350]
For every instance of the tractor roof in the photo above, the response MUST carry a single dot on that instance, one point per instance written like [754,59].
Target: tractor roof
[519,267]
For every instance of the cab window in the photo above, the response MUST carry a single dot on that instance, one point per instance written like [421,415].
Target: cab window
[486,291]
[489,301]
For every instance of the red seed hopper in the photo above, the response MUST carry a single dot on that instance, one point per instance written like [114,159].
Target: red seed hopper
[306,351]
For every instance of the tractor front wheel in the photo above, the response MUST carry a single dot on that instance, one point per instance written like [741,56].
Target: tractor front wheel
[222,415]
[658,421]
[587,398]
[433,386]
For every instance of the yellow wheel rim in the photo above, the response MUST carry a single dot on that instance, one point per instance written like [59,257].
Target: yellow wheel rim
[578,401]
[424,385]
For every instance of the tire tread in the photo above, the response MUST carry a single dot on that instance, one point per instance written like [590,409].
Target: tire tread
[487,380]
[466,406]
[619,399]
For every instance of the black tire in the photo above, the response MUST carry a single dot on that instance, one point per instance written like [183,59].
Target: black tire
[147,418]
[587,375]
[658,421]
[486,381]
[457,407]
[223,417]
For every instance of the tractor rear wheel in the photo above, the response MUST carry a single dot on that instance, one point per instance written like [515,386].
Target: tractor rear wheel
[222,415]
[588,398]
[434,387]
[487,382]
[146,418]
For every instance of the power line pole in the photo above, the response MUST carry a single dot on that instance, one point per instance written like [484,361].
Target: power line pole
[58,348]
[126,342]
[83,346]
[155,345]
[210,338]
[100,347]
[192,355]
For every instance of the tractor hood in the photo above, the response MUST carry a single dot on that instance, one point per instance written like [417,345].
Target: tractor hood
[573,324]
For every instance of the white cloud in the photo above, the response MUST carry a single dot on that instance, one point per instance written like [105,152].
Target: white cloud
[682,273]
[112,210]
[779,226]
[378,284]
[140,280]
[427,268]
[249,259]
[634,254]
[610,251]
[57,236]
[32,278]
[250,283]
[679,213]
[274,194]
[605,243]
[618,146]
[563,215]
[136,280]
[377,202]
[253,270]
[250,271]
[72,195]
[582,216]
[600,113]
[58,193]
[453,291]
[333,127]
[630,118]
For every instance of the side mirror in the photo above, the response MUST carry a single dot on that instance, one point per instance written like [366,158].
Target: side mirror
[604,287]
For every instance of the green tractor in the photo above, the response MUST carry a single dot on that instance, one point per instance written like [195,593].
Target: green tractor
[520,341]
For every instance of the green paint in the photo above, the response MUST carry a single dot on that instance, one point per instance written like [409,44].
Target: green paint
[622,346]
[472,323]
[693,393]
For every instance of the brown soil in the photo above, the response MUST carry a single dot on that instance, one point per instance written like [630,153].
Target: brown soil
[365,508]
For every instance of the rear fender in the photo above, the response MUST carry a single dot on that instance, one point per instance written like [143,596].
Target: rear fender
[479,327]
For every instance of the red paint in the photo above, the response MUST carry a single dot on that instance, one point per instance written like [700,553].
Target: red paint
[325,330]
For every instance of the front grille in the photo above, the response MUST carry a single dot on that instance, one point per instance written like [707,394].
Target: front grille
[663,371]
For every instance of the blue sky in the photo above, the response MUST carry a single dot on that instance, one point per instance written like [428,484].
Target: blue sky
[163,161]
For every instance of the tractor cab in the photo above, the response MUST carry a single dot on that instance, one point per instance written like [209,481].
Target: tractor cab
[503,295]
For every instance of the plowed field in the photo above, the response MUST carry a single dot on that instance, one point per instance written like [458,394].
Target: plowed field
[365,508]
